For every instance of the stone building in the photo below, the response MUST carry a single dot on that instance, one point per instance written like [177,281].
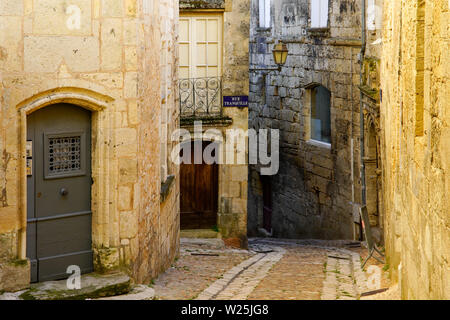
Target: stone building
[415,141]
[213,88]
[314,101]
[370,107]
[88,94]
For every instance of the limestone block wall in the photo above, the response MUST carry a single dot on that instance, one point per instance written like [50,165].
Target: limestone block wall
[232,215]
[103,55]
[371,94]
[233,185]
[416,145]
[314,191]
[158,227]
[169,203]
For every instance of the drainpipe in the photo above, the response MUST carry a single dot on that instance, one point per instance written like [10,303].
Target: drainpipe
[361,114]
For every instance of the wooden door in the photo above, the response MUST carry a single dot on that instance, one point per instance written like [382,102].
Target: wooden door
[199,194]
[200,44]
[59,191]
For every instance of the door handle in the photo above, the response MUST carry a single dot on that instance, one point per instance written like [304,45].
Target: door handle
[63,192]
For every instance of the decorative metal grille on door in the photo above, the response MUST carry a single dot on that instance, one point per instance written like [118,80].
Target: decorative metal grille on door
[64,156]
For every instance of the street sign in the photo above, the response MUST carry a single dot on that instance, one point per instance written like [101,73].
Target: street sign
[235,101]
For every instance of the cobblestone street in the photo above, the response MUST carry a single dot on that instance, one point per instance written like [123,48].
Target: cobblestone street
[270,270]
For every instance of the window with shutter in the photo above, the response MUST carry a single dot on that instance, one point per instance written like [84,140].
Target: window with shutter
[200,42]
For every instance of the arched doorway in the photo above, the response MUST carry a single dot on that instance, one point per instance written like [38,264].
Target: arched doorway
[59,216]
[199,190]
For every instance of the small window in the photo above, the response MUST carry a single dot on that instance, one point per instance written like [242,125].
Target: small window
[264,13]
[320,114]
[319,13]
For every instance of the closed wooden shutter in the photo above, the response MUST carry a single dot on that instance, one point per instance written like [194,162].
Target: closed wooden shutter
[200,46]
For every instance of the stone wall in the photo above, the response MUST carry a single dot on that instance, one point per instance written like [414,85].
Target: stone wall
[232,215]
[202,4]
[233,188]
[371,94]
[108,61]
[170,202]
[314,192]
[416,145]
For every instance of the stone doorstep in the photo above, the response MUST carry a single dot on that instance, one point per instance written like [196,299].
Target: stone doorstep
[93,286]
[199,234]
[211,244]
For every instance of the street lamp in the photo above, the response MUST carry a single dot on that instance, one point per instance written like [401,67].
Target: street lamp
[280,53]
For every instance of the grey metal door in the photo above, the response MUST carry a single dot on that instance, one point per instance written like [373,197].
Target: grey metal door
[59,191]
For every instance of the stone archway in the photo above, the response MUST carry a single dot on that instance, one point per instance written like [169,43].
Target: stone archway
[59,215]
[97,104]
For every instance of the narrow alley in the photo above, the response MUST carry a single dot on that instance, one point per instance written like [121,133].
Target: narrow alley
[224,150]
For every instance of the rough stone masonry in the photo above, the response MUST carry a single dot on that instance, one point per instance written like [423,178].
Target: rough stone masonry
[415,139]
[104,56]
[317,185]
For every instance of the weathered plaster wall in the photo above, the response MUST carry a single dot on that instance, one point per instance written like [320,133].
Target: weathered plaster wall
[416,90]
[313,192]
[111,65]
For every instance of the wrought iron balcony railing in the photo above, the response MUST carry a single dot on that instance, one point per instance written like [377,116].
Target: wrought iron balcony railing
[200,97]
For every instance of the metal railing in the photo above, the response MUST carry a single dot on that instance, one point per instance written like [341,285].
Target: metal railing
[200,97]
